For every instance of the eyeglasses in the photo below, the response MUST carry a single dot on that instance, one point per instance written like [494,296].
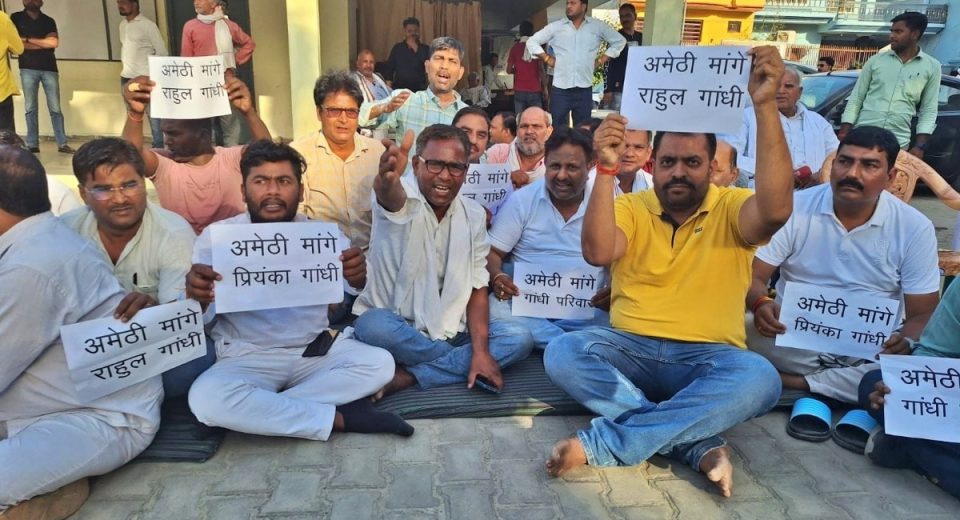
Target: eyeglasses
[436,167]
[334,112]
[103,193]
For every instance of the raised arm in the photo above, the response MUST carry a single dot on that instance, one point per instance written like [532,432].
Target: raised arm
[768,210]
[599,222]
[393,162]
[136,93]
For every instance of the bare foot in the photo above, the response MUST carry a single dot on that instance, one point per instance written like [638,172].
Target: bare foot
[566,455]
[718,469]
[401,380]
[794,382]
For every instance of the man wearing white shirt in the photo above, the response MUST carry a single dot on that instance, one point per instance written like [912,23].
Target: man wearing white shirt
[50,438]
[62,198]
[539,223]
[426,298]
[848,234]
[576,41]
[267,379]
[139,39]
[636,152]
[525,154]
[810,137]
[372,85]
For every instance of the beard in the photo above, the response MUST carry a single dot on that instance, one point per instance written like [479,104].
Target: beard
[255,217]
[529,149]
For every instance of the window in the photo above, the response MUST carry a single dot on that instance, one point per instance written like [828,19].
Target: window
[733,26]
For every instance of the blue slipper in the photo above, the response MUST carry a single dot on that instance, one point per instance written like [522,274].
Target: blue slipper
[853,430]
[810,420]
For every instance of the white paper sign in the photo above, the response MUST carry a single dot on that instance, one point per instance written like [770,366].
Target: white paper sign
[555,290]
[836,321]
[488,184]
[188,88]
[686,89]
[274,265]
[924,398]
[107,355]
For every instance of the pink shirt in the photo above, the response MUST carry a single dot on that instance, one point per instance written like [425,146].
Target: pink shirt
[202,194]
[199,40]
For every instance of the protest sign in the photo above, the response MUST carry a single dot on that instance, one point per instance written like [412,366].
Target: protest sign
[924,398]
[107,355]
[556,290]
[686,89]
[836,320]
[188,88]
[488,184]
[273,265]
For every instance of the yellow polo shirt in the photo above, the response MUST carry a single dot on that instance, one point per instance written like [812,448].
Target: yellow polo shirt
[9,42]
[683,283]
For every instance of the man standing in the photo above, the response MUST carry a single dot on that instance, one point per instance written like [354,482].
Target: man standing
[825,64]
[139,39]
[341,164]
[810,137]
[50,277]
[405,63]
[264,382]
[426,295]
[212,33]
[617,69]
[372,85]
[576,41]
[490,78]
[525,154]
[9,42]
[896,85]
[529,81]
[879,246]
[38,65]
[672,372]
[435,105]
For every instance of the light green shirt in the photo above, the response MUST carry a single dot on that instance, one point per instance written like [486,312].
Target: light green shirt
[889,92]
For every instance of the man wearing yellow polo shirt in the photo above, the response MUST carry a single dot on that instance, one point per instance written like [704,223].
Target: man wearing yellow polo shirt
[9,42]
[673,371]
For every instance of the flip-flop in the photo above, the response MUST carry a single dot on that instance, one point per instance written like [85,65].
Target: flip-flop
[810,420]
[853,430]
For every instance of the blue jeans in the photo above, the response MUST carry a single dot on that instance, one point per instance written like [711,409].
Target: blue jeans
[658,396]
[177,381]
[438,362]
[525,100]
[31,80]
[937,460]
[155,130]
[563,101]
[544,330]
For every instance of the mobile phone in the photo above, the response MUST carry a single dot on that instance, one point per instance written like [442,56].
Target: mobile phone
[485,385]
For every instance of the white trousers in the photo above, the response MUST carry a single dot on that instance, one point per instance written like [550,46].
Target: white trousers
[279,392]
[827,374]
[60,448]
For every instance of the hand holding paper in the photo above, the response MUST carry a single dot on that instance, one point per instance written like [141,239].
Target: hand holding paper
[138,98]
[767,320]
[765,75]
[131,304]
[354,267]
[200,282]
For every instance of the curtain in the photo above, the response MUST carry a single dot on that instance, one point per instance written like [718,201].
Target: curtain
[379,26]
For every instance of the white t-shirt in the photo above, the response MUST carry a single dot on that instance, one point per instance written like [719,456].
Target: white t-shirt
[62,198]
[641,182]
[892,254]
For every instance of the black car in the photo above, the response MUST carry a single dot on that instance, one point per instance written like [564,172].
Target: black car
[827,95]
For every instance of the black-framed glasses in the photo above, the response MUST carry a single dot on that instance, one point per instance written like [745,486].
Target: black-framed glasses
[103,193]
[435,167]
[335,112]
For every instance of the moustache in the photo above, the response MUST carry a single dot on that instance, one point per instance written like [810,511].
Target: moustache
[853,183]
[273,201]
[679,182]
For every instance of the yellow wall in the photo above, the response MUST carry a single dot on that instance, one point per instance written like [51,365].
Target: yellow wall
[715,25]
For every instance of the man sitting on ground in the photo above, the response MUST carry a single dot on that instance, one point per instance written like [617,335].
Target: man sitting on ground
[848,234]
[197,181]
[148,246]
[426,296]
[632,177]
[50,277]
[341,164]
[672,372]
[476,124]
[541,222]
[525,154]
[261,383]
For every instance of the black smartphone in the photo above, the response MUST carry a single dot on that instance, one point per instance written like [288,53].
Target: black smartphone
[485,385]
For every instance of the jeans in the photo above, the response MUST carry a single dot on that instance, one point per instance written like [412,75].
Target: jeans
[544,330]
[658,396]
[155,131]
[525,100]
[229,128]
[438,362]
[177,380]
[937,460]
[31,80]
[563,101]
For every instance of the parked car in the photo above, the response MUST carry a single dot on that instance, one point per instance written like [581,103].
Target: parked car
[827,93]
[802,67]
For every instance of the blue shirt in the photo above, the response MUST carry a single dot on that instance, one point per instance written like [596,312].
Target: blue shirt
[576,49]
